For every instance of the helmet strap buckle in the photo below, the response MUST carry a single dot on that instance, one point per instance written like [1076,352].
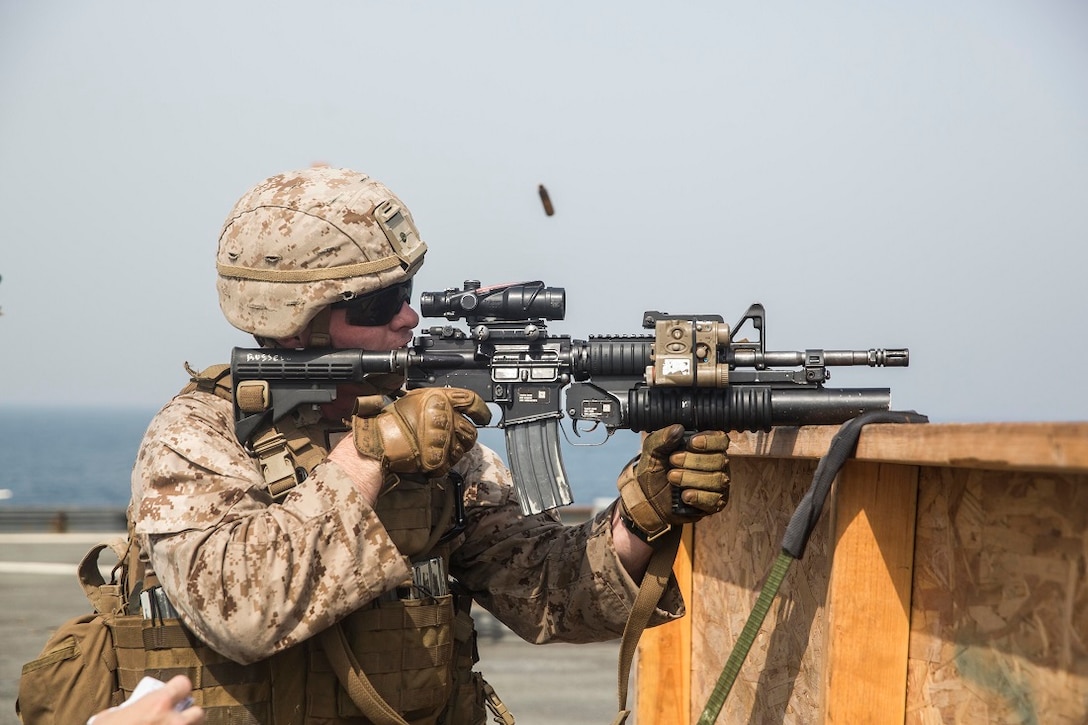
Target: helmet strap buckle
[319,329]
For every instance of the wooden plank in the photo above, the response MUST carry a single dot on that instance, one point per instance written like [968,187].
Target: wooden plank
[1056,447]
[663,679]
[869,595]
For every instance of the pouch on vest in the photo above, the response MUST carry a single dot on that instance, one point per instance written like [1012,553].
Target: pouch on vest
[75,676]
[416,512]
[162,648]
[405,647]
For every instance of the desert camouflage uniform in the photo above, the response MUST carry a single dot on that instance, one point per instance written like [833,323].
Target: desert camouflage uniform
[252,578]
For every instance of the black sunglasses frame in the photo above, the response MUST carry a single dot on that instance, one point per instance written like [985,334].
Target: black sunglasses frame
[376,308]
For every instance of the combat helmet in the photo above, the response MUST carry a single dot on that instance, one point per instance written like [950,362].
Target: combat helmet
[303,240]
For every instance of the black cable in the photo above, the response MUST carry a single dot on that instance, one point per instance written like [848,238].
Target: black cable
[842,447]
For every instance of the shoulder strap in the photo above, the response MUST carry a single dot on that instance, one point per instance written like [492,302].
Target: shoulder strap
[214,379]
[287,453]
[281,449]
[355,681]
[653,586]
[106,598]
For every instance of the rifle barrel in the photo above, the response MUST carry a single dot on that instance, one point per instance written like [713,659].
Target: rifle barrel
[873,357]
[628,356]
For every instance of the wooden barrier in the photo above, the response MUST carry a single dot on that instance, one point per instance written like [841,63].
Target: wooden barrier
[945,582]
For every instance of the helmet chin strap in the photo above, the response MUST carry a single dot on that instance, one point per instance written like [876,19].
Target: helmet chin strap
[319,329]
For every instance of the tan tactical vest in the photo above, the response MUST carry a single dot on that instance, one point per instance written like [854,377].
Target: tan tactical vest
[415,649]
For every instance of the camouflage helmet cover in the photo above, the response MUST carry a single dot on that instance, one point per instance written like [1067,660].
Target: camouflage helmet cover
[299,241]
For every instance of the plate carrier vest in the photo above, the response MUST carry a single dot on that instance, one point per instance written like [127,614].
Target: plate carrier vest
[417,653]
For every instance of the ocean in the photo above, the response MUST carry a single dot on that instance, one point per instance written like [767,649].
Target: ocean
[82,457]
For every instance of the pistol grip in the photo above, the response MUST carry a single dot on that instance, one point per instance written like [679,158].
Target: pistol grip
[682,509]
[678,506]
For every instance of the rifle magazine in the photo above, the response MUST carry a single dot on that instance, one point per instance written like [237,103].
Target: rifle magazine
[536,463]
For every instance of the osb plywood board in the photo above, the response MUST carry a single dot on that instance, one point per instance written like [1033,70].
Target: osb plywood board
[999,617]
[781,679]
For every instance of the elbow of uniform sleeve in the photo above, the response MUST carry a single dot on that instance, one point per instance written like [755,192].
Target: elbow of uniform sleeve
[257,585]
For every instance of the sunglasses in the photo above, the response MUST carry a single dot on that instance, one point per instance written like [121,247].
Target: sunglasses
[376,308]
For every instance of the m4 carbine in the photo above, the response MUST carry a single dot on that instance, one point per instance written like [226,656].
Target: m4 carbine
[687,369]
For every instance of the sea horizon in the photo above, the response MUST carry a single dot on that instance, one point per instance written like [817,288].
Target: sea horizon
[82,456]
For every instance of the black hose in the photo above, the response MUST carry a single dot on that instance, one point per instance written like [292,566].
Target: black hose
[842,447]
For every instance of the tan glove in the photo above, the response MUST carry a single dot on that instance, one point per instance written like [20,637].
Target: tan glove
[699,470]
[425,431]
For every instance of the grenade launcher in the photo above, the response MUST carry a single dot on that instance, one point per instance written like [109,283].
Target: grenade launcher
[687,369]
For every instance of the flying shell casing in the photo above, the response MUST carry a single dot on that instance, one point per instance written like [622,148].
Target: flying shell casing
[546,200]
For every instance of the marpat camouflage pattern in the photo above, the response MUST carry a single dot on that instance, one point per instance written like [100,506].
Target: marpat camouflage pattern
[252,577]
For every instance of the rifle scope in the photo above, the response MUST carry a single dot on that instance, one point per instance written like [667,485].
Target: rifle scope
[521,302]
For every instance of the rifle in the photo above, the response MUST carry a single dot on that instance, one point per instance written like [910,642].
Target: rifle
[689,369]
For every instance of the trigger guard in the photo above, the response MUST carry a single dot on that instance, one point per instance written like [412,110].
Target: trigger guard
[578,432]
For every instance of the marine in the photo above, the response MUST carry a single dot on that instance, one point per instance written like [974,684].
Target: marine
[323,574]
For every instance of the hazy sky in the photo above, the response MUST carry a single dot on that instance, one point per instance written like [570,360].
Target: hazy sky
[878,174]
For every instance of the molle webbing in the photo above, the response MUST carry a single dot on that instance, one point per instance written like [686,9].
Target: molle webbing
[416,512]
[228,692]
[408,649]
[405,647]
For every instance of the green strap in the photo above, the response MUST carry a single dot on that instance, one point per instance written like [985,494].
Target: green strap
[745,640]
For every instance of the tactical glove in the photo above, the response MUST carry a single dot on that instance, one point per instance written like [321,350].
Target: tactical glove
[674,482]
[426,431]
